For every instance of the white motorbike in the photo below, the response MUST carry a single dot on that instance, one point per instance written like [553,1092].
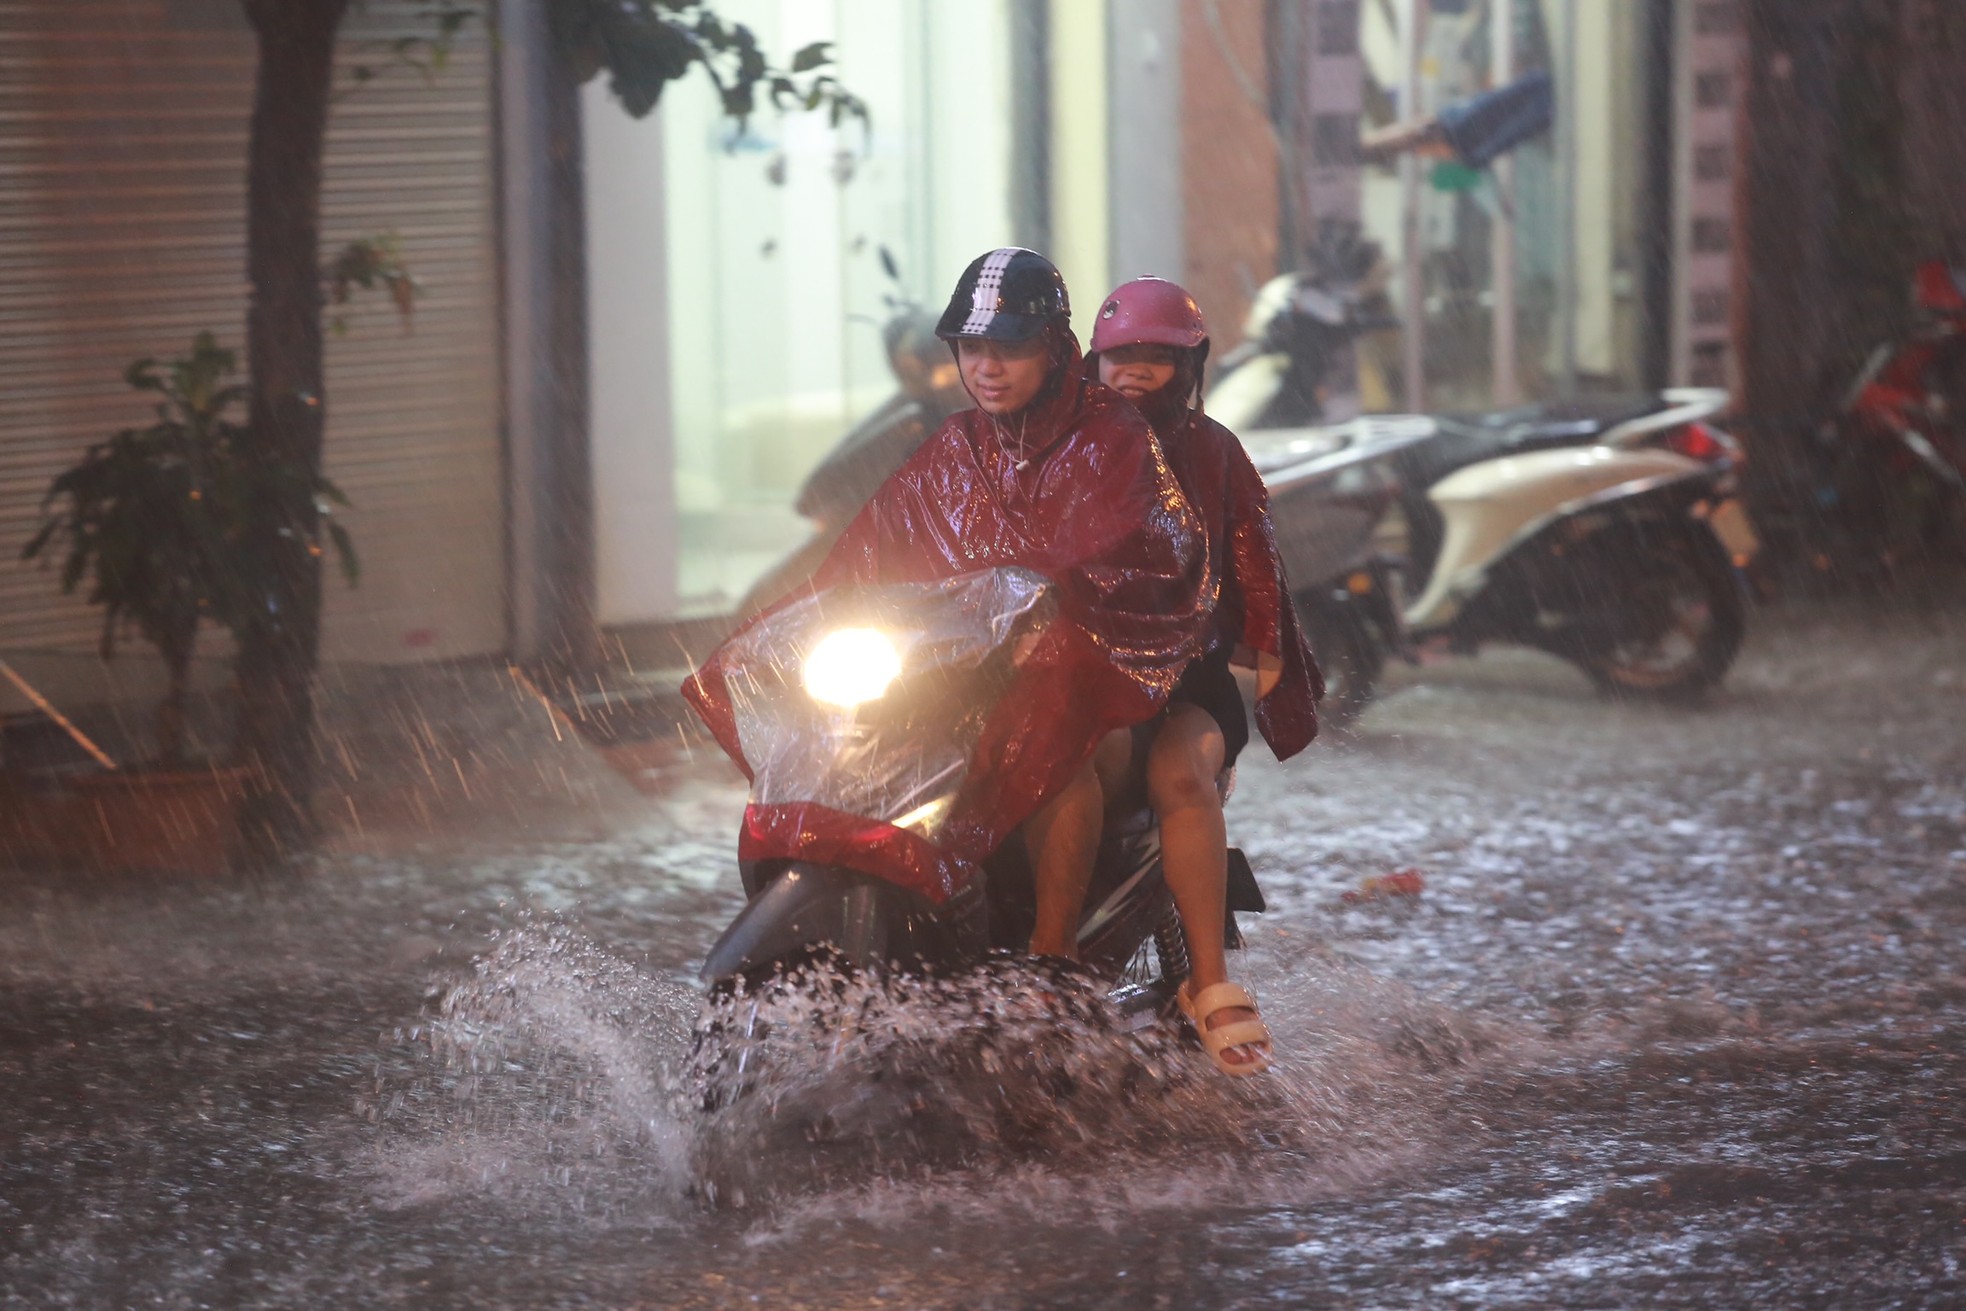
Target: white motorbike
[1607,531]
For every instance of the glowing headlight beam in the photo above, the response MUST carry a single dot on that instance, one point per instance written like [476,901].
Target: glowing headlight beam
[850,667]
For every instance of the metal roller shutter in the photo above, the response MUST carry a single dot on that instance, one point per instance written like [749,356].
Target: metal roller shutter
[122,233]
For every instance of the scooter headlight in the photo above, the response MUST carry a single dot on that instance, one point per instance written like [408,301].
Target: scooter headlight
[850,667]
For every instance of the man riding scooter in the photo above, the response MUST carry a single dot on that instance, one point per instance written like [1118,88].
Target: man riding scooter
[1049,473]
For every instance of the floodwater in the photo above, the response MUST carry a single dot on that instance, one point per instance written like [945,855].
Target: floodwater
[1677,1018]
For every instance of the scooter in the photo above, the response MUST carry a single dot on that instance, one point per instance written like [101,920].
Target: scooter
[1607,531]
[867,702]
[1302,329]
[1892,458]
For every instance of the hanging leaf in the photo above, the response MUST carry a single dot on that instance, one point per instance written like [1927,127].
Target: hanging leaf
[344,547]
[643,45]
[368,263]
[329,492]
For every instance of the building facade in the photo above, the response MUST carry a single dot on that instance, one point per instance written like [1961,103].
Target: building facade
[122,235]
[735,281]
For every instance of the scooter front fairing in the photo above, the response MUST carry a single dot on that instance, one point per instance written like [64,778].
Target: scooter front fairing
[857,713]
[862,715]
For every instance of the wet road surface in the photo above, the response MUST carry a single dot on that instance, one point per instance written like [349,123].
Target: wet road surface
[1677,1018]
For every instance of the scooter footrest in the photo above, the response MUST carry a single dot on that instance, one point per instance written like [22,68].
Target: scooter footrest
[1243,892]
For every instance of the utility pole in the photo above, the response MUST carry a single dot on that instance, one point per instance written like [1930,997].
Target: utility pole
[1413,289]
[1501,25]
[1566,224]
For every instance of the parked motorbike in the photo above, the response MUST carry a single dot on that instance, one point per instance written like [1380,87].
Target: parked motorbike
[1607,531]
[1302,330]
[929,390]
[868,702]
[1892,457]
[1333,492]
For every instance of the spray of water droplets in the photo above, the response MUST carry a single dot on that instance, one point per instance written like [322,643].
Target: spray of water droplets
[559,1075]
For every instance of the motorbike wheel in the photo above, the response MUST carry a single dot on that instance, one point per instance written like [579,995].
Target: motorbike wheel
[1347,656]
[1682,621]
[720,1069]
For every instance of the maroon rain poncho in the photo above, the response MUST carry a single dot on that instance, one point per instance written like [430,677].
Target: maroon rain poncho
[1076,489]
[1254,612]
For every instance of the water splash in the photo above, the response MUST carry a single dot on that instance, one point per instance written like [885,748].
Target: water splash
[562,1077]
[546,1081]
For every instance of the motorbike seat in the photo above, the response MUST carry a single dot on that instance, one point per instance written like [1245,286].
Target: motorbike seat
[1466,439]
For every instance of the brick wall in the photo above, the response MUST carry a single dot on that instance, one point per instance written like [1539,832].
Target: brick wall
[1229,161]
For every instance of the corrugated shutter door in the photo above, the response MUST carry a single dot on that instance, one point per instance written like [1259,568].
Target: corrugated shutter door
[122,233]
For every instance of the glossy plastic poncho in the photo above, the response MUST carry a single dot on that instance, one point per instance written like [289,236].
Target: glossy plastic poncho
[1254,615]
[1074,490]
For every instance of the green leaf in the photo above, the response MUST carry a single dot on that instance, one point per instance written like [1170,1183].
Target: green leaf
[141,374]
[812,56]
[344,549]
[40,539]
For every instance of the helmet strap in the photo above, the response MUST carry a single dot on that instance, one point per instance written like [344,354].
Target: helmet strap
[1058,354]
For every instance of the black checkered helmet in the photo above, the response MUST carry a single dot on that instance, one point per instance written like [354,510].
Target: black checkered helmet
[1006,295]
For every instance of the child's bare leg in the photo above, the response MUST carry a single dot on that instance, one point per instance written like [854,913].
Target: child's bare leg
[1181,770]
[1063,838]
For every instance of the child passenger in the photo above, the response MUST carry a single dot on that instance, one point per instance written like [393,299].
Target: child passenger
[1150,343]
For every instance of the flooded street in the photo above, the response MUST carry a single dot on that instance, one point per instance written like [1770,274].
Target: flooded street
[1676,1018]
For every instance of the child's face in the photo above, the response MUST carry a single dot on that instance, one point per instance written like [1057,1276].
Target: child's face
[1003,376]
[1137,370]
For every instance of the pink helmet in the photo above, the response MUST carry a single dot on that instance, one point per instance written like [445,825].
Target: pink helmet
[1151,310]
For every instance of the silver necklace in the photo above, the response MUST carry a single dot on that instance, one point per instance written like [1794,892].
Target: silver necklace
[1023,459]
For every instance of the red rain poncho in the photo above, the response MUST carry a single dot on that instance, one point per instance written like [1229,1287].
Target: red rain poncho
[1096,510]
[1254,612]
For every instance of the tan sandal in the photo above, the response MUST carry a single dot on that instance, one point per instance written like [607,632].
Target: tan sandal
[1252,1034]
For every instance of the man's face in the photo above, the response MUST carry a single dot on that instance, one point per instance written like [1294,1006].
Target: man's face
[1137,370]
[1003,376]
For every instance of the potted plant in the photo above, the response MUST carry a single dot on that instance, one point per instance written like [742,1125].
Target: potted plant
[155,521]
